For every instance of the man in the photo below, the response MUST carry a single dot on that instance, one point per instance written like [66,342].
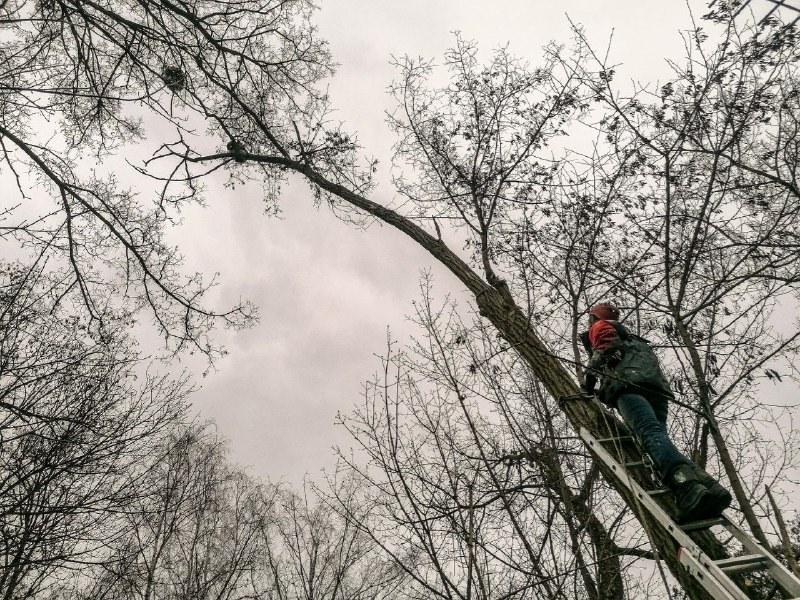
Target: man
[634,384]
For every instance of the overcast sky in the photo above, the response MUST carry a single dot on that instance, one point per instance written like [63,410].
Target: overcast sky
[327,291]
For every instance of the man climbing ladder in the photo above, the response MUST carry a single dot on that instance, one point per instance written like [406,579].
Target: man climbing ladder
[632,382]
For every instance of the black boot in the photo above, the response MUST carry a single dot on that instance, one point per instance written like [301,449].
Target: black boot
[691,496]
[719,498]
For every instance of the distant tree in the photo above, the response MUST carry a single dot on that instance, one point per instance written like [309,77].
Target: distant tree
[193,530]
[78,413]
[200,529]
[313,552]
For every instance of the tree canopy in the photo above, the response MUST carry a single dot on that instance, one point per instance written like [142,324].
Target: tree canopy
[542,189]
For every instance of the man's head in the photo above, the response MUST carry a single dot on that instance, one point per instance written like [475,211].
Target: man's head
[604,311]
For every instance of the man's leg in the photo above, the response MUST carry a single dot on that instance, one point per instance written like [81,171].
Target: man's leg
[721,498]
[649,423]
[675,469]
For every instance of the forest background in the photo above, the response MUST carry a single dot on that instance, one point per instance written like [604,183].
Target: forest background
[325,293]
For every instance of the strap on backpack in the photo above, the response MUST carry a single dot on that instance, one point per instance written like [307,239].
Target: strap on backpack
[621,330]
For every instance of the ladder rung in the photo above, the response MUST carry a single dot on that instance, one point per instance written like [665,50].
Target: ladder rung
[658,492]
[737,564]
[615,439]
[636,463]
[704,524]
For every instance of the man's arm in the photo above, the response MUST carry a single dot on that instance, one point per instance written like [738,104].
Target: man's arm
[593,369]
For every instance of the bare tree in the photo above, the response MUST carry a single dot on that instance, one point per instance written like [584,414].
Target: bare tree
[472,482]
[76,78]
[313,553]
[74,424]
[192,531]
[201,529]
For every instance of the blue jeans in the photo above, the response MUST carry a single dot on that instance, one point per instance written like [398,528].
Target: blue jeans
[648,421]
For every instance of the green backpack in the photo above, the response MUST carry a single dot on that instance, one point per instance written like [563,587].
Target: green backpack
[638,370]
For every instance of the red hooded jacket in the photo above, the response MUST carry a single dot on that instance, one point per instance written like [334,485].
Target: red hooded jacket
[601,335]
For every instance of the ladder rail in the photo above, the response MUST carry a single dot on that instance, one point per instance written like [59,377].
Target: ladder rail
[714,578]
[697,570]
[776,569]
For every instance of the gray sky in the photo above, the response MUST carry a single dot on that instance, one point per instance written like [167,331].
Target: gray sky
[327,291]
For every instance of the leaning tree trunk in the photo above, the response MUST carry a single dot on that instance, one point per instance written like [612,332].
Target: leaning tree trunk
[496,304]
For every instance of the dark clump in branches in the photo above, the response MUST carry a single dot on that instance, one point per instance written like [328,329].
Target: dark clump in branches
[174,78]
[237,149]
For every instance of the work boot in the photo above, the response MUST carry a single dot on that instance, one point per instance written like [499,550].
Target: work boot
[719,498]
[691,497]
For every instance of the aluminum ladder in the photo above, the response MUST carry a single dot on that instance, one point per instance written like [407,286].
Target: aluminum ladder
[713,575]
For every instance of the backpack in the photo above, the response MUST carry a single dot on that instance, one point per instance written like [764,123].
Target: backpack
[637,370]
